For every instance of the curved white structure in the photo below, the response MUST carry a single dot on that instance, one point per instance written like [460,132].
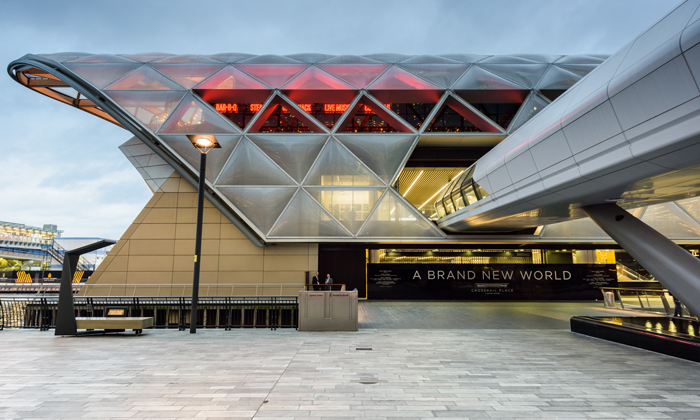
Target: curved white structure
[629,132]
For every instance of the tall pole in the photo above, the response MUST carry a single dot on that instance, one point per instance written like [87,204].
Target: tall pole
[198,244]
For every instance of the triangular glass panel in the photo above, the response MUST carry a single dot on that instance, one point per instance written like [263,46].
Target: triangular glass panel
[388,57]
[368,117]
[580,59]
[261,205]
[100,75]
[532,106]
[477,78]
[443,75]
[398,79]
[315,85]
[65,56]
[690,205]
[147,57]
[350,206]
[359,75]
[382,153]
[231,78]
[309,57]
[216,159]
[526,75]
[250,166]
[428,59]
[413,113]
[270,59]
[465,58]
[295,153]
[540,58]
[304,217]
[144,78]
[500,113]
[274,75]
[506,59]
[580,69]
[281,117]
[103,58]
[193,117]
[395,218]
[455,117]
[231,57]
[188,75]
[338,167]
[188,58]
[671,221]
[556,81]
[152,108]
[350,59]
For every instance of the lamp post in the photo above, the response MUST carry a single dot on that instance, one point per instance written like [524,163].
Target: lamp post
[203,143]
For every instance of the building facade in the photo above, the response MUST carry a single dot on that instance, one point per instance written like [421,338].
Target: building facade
[328,163]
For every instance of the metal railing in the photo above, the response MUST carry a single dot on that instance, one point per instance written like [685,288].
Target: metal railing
[245,289]
[225,312]
[644,300]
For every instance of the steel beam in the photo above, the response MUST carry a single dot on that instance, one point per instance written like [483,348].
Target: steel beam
[673,266]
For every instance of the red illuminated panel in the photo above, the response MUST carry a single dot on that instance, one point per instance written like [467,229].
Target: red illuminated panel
[231,85]
[315,85]
[275,75]
[398,85]
[359,75]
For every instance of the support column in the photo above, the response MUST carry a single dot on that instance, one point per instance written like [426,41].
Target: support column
[673,266]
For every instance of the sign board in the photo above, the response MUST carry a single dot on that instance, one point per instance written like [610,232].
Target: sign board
[489,282]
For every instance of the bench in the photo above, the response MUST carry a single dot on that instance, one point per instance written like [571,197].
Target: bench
[114,323]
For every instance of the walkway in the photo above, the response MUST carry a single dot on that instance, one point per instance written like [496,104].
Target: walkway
[502,369]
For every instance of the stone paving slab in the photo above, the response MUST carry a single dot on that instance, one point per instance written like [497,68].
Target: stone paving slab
[508,373]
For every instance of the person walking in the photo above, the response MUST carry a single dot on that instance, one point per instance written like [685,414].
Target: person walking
[316,281]
[329,281]
[679,307]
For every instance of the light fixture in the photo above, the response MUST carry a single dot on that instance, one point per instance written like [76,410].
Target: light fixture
[204,142]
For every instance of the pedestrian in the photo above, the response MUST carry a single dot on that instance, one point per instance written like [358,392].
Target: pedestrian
[316,281]
[329,281]
[679,307]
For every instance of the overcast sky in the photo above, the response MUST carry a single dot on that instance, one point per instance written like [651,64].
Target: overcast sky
[62,166]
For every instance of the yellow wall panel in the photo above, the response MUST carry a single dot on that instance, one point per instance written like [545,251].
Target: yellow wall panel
[159,231]
[151,246]
[151,263]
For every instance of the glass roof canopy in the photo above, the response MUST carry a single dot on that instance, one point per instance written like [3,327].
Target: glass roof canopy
[311,143]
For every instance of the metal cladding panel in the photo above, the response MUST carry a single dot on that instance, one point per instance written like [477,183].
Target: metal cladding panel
[561,175]
[521,166]
[691,35]
[605,156]
[646,65]
[592,128]
[633,173]
[692,57]
[680,158]
[658,92]
[673,130]
[657,35]
[499,179]
[551,150]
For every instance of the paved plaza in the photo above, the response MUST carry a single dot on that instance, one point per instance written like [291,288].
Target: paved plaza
[524,364]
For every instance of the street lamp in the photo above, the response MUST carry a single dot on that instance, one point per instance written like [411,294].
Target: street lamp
[203,143]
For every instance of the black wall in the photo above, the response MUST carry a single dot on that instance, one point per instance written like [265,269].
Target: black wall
[346,265]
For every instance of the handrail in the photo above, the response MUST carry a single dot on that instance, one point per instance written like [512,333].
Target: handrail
[260,289]
[613,295]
